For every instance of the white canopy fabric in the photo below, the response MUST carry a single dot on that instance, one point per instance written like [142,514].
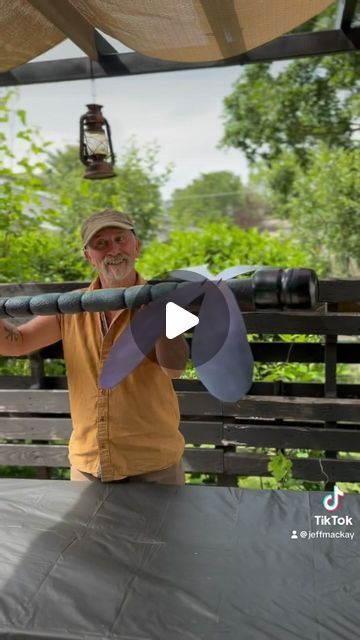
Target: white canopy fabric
[174,30]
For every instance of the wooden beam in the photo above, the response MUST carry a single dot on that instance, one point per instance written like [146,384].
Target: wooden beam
[67,19]
[296,45]
[345,14]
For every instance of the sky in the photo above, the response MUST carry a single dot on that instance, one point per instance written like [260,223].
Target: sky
[180,111]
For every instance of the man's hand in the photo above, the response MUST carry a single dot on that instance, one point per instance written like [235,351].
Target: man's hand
[171,354]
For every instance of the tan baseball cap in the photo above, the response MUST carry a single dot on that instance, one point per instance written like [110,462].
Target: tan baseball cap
[106,218]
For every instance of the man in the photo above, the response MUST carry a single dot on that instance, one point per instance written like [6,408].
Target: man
[131,431]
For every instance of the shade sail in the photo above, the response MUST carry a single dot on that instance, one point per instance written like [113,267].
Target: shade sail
[173,30]
[24,33]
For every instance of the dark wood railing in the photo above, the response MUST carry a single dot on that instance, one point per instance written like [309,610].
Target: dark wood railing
[316,417]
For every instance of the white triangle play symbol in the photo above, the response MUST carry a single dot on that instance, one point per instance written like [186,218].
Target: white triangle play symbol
[178,320]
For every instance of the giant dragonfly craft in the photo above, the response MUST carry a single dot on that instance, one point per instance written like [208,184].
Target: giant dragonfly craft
[220,350]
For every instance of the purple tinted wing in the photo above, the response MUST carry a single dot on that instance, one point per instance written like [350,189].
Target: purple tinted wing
[228,373]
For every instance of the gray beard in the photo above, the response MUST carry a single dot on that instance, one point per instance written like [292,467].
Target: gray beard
[111,276]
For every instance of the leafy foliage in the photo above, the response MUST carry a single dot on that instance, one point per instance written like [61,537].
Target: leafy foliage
[309,101]
[322,201]
[209,198]
[42,256]
[298,124]
[222,245]
[135,188]
[43,196]
[30,245]
[27,214]
[287,371]
[328,195]
[281,467]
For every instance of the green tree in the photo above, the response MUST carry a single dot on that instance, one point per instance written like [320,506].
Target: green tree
[298,126]
[21,202]
[210,197]
[28,215]
[279,108]
[43,197]
[31,244]
[135,188]
[323,204]
[309,101]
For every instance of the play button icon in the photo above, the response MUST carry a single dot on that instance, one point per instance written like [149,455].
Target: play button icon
[178,320]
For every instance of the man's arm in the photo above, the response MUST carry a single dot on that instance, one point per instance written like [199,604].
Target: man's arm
[172,355]
[28,337]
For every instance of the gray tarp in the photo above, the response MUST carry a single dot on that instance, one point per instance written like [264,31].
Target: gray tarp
[141,562]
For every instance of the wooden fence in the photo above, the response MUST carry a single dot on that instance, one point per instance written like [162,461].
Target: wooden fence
[224,439]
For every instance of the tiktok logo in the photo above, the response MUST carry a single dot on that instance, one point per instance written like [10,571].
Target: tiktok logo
[331,501]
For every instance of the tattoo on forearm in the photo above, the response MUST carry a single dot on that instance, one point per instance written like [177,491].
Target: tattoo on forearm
[12,334]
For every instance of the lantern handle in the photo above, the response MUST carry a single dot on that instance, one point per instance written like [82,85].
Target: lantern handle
[107,126]
[82,149]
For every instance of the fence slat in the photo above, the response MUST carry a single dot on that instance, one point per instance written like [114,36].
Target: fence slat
[35,428]
[204,461]
[34,401]
[195,460]
[198,460]
[199,432]
[294,408]
[302,322]
[31,455]
[292,437]
[302,352]
[312,469]
[201,404]
[198,403]
[339,290]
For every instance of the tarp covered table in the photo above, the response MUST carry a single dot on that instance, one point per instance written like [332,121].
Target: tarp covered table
[141,562]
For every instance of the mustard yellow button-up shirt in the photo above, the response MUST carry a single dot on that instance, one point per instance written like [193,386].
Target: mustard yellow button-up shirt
[130,429]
